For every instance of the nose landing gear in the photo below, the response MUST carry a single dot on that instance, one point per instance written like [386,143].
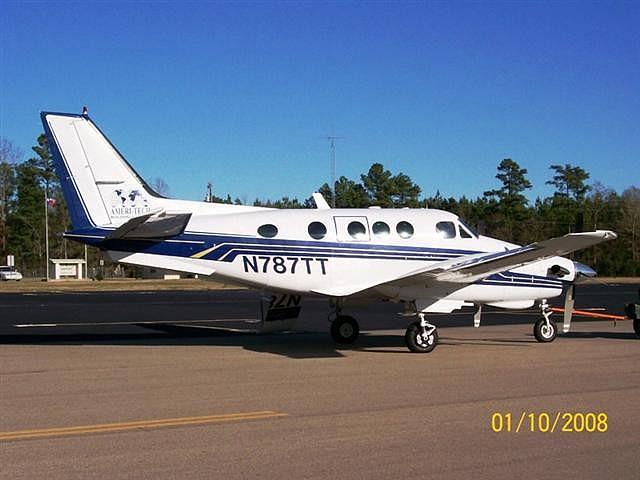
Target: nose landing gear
[545,329]
[421,336]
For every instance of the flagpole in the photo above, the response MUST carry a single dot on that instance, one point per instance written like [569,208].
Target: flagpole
[46,228]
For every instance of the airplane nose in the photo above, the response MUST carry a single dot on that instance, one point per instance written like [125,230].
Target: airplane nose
[584,270]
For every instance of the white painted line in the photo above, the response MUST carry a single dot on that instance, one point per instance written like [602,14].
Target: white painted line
[26,325]
[159,322]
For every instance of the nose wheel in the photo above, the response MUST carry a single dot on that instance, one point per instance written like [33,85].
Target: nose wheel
[421,336]
[545,329]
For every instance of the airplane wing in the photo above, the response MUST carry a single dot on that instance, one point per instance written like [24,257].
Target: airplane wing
[475,267]
[471,268]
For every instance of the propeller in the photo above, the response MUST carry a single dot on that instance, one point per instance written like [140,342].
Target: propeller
[477,315]
[569,300]
[582,272]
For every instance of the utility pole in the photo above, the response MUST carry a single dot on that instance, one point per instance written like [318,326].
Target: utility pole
[332,158]
[209,192]
[46,227]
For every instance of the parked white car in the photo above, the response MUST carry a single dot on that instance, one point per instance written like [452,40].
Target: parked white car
[10,273]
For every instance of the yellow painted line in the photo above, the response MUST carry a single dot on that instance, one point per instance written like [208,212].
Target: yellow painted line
[203,252]
[136,425]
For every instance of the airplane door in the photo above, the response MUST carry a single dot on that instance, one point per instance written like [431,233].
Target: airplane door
[352,229]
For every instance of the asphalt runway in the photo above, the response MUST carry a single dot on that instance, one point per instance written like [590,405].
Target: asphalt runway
[99,397]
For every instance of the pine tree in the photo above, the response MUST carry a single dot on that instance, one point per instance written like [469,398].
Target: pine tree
[569,181]
[508,203]
[9,157]
[387,190]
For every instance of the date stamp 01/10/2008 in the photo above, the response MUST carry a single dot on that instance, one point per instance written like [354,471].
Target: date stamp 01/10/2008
[549,422]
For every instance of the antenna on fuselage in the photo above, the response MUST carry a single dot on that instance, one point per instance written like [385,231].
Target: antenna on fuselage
[332,159]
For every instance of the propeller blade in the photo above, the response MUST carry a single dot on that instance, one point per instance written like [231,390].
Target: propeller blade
[569,300]
[477,315]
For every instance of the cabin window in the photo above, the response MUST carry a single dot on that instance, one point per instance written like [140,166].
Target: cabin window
[380,229]
[404,229]
[317,230]
[446,229]
[268,230]
[463,232]
[357,230]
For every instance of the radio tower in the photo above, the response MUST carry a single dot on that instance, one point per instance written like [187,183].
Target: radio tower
[332,156]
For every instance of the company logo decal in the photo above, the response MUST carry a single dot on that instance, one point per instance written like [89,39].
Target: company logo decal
[129,203]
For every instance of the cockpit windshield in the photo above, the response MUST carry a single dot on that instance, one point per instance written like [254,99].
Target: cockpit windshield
[465,226]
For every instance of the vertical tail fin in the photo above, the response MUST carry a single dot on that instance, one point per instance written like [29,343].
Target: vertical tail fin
[100,187]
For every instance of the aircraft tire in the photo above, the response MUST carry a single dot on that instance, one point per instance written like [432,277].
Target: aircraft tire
[416,343]
[636,326]
[542,333]
[345,330]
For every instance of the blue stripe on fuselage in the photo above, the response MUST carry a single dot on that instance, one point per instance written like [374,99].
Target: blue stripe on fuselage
[228,247]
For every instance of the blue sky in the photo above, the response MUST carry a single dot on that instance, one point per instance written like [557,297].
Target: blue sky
[241,93]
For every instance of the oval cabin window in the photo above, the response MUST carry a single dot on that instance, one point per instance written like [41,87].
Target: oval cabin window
[404,229]
[380,229]
[268,230]
[317,230]
[357,230]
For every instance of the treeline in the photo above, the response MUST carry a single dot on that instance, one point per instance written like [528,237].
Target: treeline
[503,212]
[506,213]
[25,187]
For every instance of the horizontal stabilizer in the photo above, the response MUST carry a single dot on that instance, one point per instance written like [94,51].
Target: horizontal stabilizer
[152,225]
[178,264]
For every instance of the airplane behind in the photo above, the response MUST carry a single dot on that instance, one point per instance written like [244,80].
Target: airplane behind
[428,260]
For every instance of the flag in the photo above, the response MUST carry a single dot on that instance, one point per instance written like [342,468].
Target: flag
[51,202]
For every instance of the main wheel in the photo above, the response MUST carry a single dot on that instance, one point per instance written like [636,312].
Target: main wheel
[544,333]
[418,342]
[636,326]
[345,329]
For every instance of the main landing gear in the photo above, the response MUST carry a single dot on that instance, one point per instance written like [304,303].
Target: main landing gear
[421,336]
[344,329]
[545,329]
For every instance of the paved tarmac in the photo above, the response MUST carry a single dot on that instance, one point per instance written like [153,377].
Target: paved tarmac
[99,397]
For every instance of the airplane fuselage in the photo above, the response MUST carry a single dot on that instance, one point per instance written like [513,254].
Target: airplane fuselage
[333,251]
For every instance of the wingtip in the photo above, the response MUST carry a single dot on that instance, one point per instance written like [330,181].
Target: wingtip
[607,234]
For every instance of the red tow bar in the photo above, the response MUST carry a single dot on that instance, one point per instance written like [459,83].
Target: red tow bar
[592,314]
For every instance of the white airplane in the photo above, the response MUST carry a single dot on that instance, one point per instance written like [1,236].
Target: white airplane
[426,259]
